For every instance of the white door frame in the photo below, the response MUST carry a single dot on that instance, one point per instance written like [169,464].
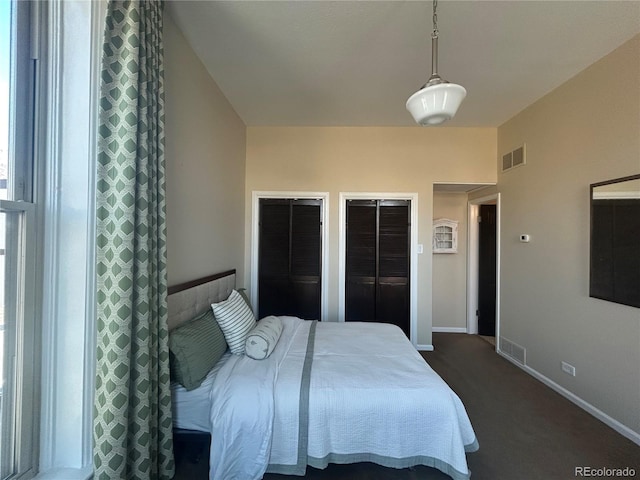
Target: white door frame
[255,240]
[472,263]
[413,254]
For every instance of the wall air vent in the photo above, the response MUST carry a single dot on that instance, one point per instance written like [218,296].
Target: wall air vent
[513,159]
[513,350]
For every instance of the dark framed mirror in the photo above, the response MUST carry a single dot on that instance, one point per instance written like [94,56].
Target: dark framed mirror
[615,241]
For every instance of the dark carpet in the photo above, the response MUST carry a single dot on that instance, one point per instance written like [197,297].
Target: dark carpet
[526,431]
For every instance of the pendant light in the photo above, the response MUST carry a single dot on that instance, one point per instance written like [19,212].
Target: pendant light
[438,100]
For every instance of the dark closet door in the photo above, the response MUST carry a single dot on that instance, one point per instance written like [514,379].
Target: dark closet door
[289,264]
[487,271]
[377,262]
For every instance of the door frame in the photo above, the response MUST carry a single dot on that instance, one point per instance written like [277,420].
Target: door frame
[413,252]
[255,240]
[472,262]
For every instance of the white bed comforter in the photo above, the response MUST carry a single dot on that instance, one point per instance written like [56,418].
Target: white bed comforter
[335,393]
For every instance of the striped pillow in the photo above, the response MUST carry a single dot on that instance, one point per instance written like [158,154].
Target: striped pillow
[236,321]
[194,348]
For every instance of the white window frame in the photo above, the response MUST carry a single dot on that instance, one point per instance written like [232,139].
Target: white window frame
[20,406]
[74,30]
[18,397]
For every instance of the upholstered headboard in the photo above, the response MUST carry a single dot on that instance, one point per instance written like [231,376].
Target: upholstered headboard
[187,300]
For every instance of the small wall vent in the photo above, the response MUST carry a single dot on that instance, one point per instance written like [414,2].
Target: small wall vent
[513,159]
[513,350]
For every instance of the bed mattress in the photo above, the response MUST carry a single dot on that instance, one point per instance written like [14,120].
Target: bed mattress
[191,407]
[335,393]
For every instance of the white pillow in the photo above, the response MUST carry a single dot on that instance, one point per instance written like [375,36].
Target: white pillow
[236,320]
[263,338]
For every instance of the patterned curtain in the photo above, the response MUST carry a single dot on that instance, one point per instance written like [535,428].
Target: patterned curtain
[132,414]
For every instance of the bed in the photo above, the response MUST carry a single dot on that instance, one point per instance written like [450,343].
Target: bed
[319,393]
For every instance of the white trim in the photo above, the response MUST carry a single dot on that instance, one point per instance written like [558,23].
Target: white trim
[615,195]
[66,474]
[68,336]
[255,219]
[449,330]
[472,269]
[413,280]
[462,187]
[472,261]
[424,348]
[51,178]
[98,19]
[599,414]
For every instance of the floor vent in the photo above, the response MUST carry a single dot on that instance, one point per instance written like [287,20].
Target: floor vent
[513,350]
[513,159]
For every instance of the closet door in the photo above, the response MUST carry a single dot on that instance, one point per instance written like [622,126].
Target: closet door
[377,262]
[393,264]
[289,265]
[361,258]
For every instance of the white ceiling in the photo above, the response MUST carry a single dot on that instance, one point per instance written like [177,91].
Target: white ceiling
[355,63]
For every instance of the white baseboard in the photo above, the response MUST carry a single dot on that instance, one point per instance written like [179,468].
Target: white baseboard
[449,329]
[424,348]
[599,414]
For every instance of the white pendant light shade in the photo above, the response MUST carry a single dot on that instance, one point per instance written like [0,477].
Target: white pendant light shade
[435,104]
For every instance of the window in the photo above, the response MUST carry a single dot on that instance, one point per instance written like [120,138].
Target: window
[17,240]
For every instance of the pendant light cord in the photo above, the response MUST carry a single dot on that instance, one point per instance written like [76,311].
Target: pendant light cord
[435,32]
[435,78]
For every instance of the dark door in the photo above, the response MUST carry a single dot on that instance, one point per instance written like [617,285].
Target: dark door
[487,271]
[377,262]
[290,257]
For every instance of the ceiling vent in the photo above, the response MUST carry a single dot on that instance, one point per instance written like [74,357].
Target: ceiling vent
[513,159]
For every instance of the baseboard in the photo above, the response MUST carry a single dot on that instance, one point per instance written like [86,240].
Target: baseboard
[586,406]
[424,348]
[449,329]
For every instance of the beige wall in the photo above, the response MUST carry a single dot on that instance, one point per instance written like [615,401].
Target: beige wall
[205,155]
[586,131]
[368,159]
[450,269]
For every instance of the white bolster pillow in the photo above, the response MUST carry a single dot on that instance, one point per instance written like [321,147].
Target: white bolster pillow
[263,338]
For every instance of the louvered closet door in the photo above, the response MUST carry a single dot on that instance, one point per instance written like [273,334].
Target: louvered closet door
[361,260]
[289,276]
[377,262]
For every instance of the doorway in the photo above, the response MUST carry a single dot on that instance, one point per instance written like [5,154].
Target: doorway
[483,275]
[487,270]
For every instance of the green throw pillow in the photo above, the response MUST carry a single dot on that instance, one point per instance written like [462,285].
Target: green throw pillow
[195,348]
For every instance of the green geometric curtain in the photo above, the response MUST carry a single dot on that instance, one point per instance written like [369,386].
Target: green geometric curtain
[132,410]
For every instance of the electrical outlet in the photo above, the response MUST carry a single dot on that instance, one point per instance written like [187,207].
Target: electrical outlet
[569,369]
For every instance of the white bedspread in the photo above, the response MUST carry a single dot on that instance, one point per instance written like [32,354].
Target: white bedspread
[365,394]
